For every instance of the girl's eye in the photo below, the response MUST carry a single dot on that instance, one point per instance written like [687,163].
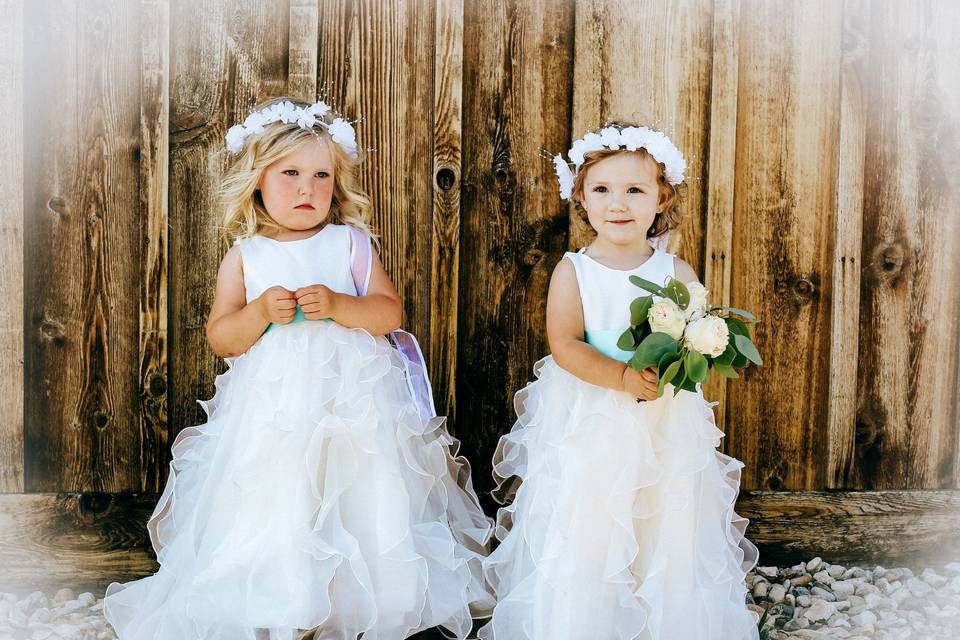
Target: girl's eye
[290,172]
[321,174]
[600,189]
[634,190]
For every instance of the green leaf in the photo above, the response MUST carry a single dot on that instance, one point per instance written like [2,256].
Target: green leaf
[627,341]
[652,349]
[747,348]
[678,292]
[740,361]
[667,375]
[689,385]
[739,312]
[679,380]
[639,309]
[696,366]
[737,326]
[646,285]
[725,370]
[727,356]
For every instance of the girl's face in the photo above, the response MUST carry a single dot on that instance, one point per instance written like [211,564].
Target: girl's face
[297,189]
[621,197]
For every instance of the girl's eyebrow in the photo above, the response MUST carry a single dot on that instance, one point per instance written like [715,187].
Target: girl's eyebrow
[642,183]
[293,165]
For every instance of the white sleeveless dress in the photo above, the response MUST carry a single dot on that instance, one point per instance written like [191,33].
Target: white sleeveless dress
[315,496]
[622,522]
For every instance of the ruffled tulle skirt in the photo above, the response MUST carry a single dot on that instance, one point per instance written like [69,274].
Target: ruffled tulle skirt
[313,498]
[622,522]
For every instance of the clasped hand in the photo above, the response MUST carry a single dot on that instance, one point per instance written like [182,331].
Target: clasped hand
[278,305]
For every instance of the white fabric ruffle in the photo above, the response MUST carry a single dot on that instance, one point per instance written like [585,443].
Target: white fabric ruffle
[622,522]
[314,497]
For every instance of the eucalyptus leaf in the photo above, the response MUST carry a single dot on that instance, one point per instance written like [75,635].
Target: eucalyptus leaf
[639,309]
[737,326]
[651,349]
[627,341]
[748,349]
[668,375]
[678,292]
[727,356]
[696,366]
[739,312]
[725,370]
[646,285]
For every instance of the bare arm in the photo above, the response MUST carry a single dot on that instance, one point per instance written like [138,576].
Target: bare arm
[684,271]
[379,312]
[566,336]
[233,325]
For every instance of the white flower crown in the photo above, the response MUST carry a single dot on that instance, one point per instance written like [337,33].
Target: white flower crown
[305,117]
[656,143]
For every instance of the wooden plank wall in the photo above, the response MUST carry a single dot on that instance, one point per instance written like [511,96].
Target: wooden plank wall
[821,136]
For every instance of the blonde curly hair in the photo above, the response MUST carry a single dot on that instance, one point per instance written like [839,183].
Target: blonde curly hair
[243,212]
[670,215]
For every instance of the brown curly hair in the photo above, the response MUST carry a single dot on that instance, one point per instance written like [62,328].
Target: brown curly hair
[670,214]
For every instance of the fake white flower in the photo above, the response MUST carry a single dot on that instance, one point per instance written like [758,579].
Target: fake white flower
[610,137]
[564,176]
[340,131]
[343,134]
[656,143]
[666,317]
[236,136]
[708,335]
[697,308]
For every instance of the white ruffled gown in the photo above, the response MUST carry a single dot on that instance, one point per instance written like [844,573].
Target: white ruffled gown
[622,524]
[315,496]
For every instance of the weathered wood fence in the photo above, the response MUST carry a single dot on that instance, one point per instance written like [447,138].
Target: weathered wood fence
[822,138]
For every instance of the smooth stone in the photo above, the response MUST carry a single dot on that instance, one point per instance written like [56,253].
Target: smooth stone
[821,610]
[799,581]
[841,588]
[777,593]
[864,618]
[823,593]
[836,570]
[814,564]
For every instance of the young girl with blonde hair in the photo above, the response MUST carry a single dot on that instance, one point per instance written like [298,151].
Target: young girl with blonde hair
[620,522]
[322,494]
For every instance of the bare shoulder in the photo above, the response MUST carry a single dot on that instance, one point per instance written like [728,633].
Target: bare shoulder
[684,271]
[564,277]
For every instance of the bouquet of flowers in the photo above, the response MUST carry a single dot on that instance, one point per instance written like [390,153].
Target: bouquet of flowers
[684,337]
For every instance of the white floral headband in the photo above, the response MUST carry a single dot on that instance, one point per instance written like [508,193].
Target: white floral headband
[305,117]
[656,143]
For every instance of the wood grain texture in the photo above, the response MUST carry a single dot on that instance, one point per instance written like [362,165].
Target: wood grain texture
[445,248]
[303,49]
[667,88]
[721,174]
[907,421]
[84,541]
[11,246]
[517,67]
[225,58]
[845,308]
[893,528]
[154,222]
[376,65]
[82,247]
[784,211]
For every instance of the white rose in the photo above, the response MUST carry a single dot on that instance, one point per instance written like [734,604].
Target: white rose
[343,134]
[708,335]
[665,316]
[697,308]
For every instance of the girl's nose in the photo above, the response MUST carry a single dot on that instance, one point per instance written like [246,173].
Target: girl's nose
[304,189]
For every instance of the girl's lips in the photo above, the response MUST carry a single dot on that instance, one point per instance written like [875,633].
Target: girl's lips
[619,221]
[305,206]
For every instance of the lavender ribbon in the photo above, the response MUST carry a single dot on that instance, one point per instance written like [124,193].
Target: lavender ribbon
[361,261]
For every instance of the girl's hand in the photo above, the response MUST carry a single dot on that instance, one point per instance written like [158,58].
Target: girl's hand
[316,301]
[277,305]
[640,384]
